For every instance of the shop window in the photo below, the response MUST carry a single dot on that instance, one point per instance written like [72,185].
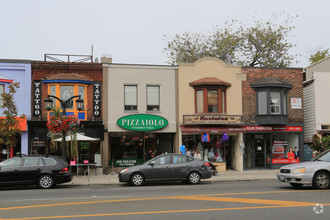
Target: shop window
[210,100]
[153,97]
[64,92]
[130,94]
[2,89]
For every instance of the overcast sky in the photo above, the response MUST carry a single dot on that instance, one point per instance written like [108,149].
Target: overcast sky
[132,31]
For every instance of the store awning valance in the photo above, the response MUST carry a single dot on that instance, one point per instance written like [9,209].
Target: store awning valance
[80,137]
[211,130]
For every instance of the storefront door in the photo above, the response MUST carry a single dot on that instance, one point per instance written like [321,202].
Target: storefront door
[260,153]
[256,151]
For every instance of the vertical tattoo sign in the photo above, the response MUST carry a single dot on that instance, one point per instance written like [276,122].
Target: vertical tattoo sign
[97,99]
[37,98]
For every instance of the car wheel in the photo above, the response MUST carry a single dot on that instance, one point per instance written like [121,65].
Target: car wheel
[321,180]
[137,179]
[296,185]
[194,178]
[46,181]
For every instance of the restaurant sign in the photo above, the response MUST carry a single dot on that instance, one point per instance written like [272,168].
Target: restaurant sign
[142,122]
[212,119]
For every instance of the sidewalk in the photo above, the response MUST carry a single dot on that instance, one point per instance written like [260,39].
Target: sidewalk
[253,175]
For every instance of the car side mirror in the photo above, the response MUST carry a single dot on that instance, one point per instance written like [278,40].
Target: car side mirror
[152,163]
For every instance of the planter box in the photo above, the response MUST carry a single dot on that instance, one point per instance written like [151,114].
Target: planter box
[221,167]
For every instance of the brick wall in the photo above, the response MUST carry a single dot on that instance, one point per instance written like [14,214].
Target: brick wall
[80,71]
[293,76]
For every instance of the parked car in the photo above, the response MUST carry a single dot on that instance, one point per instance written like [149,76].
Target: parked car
[44,171]
[167,167]
[315,172]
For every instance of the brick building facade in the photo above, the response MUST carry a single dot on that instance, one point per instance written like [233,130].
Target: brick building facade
[65,80]
[273,116]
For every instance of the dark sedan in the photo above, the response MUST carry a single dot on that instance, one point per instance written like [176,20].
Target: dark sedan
[43,171]
[167,167]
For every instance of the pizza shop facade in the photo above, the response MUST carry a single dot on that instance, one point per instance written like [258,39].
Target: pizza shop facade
[272,146]
[142,140]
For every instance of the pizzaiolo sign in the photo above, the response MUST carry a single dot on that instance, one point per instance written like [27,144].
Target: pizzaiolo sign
[142,122]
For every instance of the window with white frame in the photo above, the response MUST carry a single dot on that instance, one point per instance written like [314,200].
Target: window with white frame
[153,96]
[130,98]
[275,103]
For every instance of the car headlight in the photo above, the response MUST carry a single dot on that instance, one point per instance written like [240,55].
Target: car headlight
[299,170]
[124,170]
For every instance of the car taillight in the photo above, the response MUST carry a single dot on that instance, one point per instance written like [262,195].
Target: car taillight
[207,164]
[64,170]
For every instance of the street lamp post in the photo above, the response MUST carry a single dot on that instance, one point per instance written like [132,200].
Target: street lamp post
[64,104]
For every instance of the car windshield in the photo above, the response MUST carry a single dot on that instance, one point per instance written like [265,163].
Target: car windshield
[325,156]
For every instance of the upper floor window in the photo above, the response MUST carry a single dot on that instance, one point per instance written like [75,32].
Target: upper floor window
[210,95]
[153,96]
[130,96]
[271,96]
[271,101]
[210,100]
[65,92]
[2,89]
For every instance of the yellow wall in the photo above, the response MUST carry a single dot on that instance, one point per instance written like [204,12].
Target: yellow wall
[209,67]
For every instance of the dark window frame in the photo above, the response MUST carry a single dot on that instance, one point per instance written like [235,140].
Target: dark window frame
[283,100]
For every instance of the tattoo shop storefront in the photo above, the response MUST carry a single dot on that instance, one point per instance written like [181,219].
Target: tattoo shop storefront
[143,136]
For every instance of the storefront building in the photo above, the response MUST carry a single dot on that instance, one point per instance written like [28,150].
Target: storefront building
[65,80]
[210,112]
[139,112]
[273,117]
[12,71]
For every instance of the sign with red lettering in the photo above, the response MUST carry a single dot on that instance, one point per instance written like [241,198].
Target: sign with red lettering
[273,128]
[279,161]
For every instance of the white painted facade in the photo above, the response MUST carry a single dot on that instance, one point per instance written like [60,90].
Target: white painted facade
[119,75]
[316,104]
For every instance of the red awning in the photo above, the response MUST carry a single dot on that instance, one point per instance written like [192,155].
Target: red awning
[211,130]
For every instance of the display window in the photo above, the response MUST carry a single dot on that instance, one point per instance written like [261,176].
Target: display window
[285,148]
[264,150]
[128,149]
[207,147]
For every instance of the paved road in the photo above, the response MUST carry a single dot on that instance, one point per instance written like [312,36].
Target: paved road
[208,200]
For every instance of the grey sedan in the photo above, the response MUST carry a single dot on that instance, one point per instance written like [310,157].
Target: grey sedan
[167,167]
[315,172]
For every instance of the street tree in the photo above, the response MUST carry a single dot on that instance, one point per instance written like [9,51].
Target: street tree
[319,55]
[262,44]
[320,143]
[10,124]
